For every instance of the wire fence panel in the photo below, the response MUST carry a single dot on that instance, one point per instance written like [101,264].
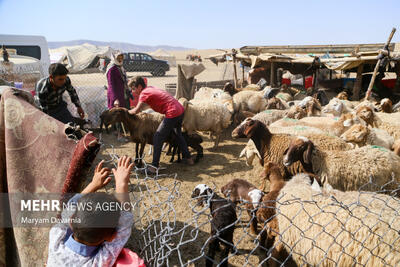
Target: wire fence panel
[304,226]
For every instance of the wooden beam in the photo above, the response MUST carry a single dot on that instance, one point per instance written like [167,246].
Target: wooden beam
[315,49]
[371,84]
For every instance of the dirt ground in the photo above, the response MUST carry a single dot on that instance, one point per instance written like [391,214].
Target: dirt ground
[166,201]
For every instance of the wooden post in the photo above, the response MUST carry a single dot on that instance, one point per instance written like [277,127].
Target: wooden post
[371,84]
[397,85]
[358,83]
[272,76]
[234,68]
[242,85]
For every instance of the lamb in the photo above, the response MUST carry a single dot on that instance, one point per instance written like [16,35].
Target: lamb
[192,140]
[332,126]
[141,126]
[250,101]
[205,116]
[250,152]
[330,227]
[239,190]
[333,166]
[362,135]
[270,146]
[222,223]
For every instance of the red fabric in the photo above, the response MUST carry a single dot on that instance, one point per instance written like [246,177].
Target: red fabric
[133,103]
[83,156]
[128,258]
[161,101]
[286,81]
[389,83]
[308,82]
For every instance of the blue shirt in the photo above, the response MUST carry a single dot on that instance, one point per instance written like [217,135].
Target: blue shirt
[66,251]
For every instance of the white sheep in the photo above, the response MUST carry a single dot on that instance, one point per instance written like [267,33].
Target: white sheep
[320,227]
[333,126]
[205,116]
[215,95]
[346,170]
[337,107]
[362,135]
[249,101]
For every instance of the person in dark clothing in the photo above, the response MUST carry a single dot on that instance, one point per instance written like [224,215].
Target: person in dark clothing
[49,92]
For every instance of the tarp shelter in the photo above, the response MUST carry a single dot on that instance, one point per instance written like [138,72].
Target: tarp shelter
[163,55]
[80,57]
[186,74]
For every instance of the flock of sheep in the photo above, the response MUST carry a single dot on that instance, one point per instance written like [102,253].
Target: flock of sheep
[318,160]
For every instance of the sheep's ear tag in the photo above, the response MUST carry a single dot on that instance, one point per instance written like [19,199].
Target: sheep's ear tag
[347,123]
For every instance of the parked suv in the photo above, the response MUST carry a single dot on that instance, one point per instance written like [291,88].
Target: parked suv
[144,63]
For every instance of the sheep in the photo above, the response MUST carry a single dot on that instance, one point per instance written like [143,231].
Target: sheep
[270,146]
[266,211]
[222,223]
[205,116]
[312,106]
[269,116]
[388,122]
[396,147]
[332,126]
[229,88]
[105,120]
[362,135]
[286,97]
[238,191]
[337,107]
[141,126]
[249,152]
[343,96]
[385,105]
[192,140]
[250,101]
[334,168]
[326,142]
[276,103]
[322,227]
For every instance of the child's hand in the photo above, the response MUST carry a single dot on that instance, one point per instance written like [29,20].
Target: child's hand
[122,174]
[100,179]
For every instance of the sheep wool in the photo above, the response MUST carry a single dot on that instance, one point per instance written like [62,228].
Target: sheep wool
[336,228]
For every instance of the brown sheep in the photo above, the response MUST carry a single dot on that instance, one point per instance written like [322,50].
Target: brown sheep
[266,213]
[276,103]
[239,190]
[270,146]
[367,114]
[141,126]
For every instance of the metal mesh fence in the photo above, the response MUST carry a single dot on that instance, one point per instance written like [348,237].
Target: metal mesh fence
[91,84]
[303,226]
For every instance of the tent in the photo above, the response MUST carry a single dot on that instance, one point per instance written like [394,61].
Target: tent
[163,55]
[80,57]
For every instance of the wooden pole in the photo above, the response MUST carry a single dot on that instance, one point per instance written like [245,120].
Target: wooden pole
[242,85]
[234,68]
[272,76]
[371,84]
[358,83]
[397,85]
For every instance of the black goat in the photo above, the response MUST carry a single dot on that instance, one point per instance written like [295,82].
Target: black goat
[192,140]
[222,223]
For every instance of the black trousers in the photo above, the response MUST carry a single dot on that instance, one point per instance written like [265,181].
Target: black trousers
[163,131]
[61,113]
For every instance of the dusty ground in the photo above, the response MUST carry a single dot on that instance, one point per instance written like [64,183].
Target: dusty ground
[218,167]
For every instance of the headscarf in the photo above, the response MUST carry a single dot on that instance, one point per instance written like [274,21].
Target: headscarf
[115,62]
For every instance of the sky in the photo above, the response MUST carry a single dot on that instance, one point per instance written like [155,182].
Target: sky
[205,23]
